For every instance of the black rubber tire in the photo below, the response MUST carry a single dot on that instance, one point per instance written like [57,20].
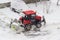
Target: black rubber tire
[38,25]
[27,27]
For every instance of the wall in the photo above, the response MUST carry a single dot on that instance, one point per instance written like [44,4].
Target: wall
[32,1]
[2,5]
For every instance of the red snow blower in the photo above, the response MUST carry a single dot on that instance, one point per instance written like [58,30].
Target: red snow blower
[30,19]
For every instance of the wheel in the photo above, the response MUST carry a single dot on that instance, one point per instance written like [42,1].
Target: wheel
[37,28]
[27,27]
[38,25]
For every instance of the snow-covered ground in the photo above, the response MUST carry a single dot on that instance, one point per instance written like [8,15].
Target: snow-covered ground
[49,32]
[22,5]
[4,1]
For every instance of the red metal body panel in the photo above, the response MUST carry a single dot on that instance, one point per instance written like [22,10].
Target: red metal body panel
[26,22]
[38,17]
[29,12]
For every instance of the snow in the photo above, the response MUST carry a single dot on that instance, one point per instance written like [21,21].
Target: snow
[51,31]
[52,16]
[4,1]
[54,1]
[21,4]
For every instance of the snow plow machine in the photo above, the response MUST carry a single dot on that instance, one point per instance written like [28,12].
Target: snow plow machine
[30,19]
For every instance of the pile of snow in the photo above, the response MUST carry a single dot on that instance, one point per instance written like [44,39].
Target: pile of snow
[53,14]
[19,4]
[6,15]
[5,1]
[54,1]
